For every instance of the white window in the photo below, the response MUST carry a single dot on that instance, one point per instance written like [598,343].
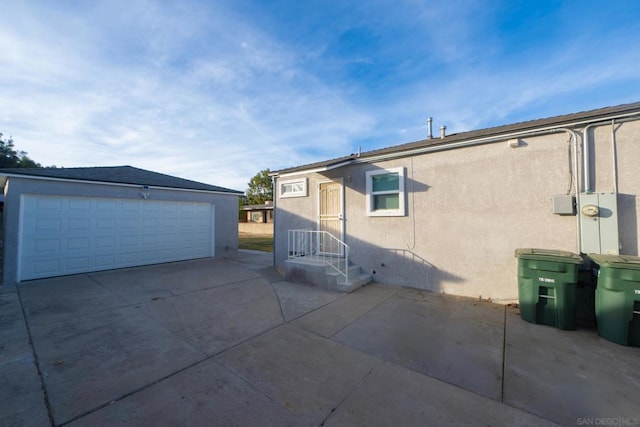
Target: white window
[385,192]
[293,188]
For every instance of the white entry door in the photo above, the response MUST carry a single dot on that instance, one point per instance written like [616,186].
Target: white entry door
[331,216]
[69,235]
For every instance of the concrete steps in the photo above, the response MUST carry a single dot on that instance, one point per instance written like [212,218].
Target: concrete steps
[318,273]
[355,282]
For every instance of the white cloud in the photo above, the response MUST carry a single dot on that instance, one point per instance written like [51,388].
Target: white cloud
[188,99]
[571,74]
[202,91]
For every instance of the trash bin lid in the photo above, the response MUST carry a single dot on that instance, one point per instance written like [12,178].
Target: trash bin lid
[616,261]
[548,255]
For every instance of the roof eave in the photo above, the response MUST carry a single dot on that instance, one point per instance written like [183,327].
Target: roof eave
[481,136]
[333,164]
[4,176]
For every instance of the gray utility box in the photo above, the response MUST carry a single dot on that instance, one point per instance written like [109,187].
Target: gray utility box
[598,213]
[564,205]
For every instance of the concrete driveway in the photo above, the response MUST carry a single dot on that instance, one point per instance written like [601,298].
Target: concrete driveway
[228,342]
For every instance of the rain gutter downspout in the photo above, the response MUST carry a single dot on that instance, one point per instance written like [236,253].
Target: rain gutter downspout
[480,141]
[526,133]
[586,158]
[574,140]
[618,118]
[274,179]
[614,156]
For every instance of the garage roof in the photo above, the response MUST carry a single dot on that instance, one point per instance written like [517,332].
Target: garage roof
[117,175]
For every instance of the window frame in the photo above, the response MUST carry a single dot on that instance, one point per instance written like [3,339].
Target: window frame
[370,194]
[302,193]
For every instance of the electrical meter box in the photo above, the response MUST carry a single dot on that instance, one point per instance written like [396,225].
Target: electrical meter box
[598,213]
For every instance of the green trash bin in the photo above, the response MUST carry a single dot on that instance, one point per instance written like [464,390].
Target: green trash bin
[547,286]
[618,298]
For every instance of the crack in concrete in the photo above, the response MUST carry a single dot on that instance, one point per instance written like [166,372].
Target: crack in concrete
[36,361]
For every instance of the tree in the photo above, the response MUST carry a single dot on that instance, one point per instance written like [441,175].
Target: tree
[260,188]
[10,158]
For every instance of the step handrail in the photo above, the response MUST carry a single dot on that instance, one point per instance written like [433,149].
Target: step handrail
[320,246]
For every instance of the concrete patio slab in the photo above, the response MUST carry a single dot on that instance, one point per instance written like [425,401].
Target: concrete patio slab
[297,300]
[142,284]
[203,395]
[395,396]
[332,318]
[271,274]
[306,374]
[89,361]
[7,289]
[253,260]
[216,319]
[22,396]
[458,340]
[14,338]
[21,392]
[569,376]
[226,340]
[52,300]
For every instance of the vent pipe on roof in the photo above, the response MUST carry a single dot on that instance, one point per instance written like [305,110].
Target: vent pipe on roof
[429,130]
[443,130]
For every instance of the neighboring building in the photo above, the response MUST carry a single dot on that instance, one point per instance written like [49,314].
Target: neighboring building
[60,221]
[446,214]
[262,214]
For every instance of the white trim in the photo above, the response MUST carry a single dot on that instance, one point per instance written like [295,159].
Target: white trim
[302,193]
[322,169]
[118,184]
[401,211]
[19,242]
[213,230]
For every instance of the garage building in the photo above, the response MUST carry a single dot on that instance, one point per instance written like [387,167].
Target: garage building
[60,221]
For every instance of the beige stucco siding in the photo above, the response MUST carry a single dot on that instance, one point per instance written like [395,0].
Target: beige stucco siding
[469,208]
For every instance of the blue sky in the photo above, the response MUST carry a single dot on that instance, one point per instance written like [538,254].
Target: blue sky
[215,91]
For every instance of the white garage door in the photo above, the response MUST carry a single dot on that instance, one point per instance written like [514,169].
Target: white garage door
[68,235]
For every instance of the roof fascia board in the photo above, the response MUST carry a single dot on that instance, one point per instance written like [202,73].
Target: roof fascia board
[118,184]
[459,144]
[490,139]
[559,127]
[316,170]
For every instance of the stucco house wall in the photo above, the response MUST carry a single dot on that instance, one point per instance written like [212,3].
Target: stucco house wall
[468,209]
